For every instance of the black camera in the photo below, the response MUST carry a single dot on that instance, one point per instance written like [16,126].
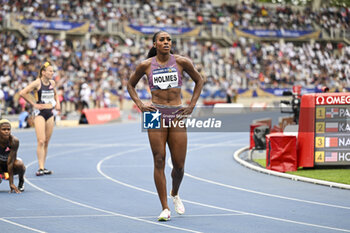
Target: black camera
[291,106]
[259,137]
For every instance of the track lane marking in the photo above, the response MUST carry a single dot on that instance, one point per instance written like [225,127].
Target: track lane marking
[109,215]
[277,218]
[22,226]
[212,206]
[107,211]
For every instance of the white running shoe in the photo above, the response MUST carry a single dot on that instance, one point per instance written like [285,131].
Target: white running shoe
[164,215]
[179,207]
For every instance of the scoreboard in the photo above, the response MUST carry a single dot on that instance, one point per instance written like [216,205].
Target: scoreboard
[324,128]
[332,134]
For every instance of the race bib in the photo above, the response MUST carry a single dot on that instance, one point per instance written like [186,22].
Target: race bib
[47,96]
[165,78]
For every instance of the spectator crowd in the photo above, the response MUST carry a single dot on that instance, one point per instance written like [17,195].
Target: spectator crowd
[181,13]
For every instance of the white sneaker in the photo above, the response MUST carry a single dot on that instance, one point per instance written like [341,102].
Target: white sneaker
[179,207]
[164,215]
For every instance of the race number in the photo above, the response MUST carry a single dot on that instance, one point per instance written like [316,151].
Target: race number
[320,127]
[319,156]
[319,142]
[320,113]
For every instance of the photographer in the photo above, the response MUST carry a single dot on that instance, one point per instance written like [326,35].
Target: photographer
[294,103]
[25,119]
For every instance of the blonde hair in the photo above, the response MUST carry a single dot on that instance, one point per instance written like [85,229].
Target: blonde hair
[43,67]
[46,64]
[4,121]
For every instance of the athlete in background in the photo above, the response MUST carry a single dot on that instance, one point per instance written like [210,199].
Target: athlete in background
[8,157]
[46,99]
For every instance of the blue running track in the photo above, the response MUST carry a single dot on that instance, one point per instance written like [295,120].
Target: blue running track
[103,182]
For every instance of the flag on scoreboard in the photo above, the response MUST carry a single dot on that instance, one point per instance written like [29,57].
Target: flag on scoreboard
[331,126]
[331,156]
[332,112]
[331,142]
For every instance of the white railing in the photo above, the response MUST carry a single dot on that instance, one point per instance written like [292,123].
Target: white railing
[336,33]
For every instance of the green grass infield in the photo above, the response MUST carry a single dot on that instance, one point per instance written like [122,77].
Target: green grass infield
[336,174]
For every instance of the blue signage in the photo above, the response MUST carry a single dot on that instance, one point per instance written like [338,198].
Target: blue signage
[53,25]
[170,30]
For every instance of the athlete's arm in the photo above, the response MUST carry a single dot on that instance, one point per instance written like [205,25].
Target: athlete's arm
[134,79]
[26,92]
[188,67]
[11,161]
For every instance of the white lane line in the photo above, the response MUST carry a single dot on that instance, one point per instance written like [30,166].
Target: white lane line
[69,151]
[225,208]
[20,225]
[107,211]
[68,178]
[266,194]
[62,216]
[218,144]
[286,175]
[87,147]
[127,166]
[27,181]
[123,144]
[257,192]
[199,215]
[96,144]
[134,144]
[108,215]
[212,206]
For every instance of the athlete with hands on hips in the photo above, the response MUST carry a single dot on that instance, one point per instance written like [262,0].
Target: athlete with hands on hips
[164,72]
[46,99]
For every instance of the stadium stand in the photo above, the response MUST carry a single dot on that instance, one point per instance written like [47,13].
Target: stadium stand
[105,41]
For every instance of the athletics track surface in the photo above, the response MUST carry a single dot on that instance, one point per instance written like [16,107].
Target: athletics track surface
[103,182]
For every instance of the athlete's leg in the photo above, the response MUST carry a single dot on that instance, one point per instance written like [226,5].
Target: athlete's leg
[157,139]
[177,142]
[39,123]
[19,169]
[48,132]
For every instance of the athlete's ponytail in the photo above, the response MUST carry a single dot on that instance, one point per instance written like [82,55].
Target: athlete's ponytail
[153,51]
[43,67]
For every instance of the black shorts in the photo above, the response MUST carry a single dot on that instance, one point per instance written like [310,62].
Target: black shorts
[46,113]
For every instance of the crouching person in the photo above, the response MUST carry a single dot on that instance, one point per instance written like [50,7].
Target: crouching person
[8,157]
